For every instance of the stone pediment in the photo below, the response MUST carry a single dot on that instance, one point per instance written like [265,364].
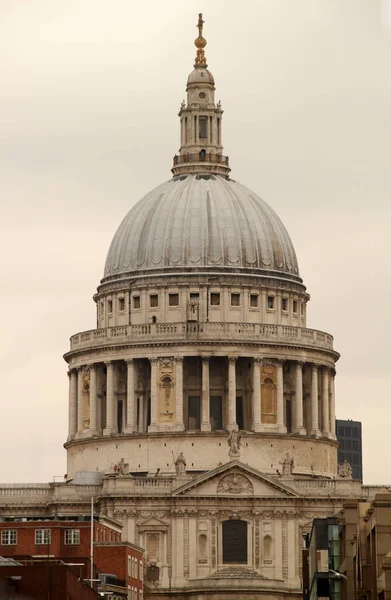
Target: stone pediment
[235,479]
[152,523]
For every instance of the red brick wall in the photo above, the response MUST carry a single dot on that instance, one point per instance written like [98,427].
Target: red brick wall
[115,559]
[26,538]
[36,580]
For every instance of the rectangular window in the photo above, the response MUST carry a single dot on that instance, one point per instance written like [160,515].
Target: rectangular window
[270,302]
[253,300]
[203,124]
[110,306]
[295,306]
[302,309]
[102,309]
[72,537]
[136,302]
[9,537]
[141,573]
[153,300]
[173,299]
[129,566]
[284,304]
[42,536]
[235,299]
[121,303]
[215,299]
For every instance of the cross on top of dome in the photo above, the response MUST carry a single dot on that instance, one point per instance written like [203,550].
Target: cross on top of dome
[200,44]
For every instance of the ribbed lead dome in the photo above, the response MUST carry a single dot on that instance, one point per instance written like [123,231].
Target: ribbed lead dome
[202,223]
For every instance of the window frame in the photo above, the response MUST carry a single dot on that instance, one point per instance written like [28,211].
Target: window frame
[136,299]
[284,302]
[72,532]
[252,297]
[170,297]
[110,307]
[7,537]
[214,294]
[43,532]
[237,295]
[157,300]
[121,304]
[272,298]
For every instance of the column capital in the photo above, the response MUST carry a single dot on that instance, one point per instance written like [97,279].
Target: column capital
[153,360]
[205,358]
[179,359]
[300,363]
[129,361]
[315,366]
[108,363]
[233,359]
[280,361]
[258,359]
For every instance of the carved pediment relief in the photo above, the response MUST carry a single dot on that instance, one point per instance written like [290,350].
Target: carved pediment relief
[235,479]
[235,483]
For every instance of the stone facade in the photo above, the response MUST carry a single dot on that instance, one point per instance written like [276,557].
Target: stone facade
[202,400]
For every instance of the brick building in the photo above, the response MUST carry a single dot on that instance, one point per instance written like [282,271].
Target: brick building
[53,543]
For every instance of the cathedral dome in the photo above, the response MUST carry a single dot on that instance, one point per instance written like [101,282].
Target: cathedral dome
[202,223]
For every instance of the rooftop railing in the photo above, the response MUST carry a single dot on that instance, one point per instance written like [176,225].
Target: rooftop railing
[203,332]
[200,157]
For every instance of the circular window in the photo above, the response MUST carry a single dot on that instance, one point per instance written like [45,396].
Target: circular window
[202,95]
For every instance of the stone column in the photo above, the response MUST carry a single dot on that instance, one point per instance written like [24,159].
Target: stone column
[325,402]
[110,398]
[154,394]
[332,405]
[80,402]
[141,426]
[257,399]
[314,402]
[93,401]
[280,397]
[179,425]
[72,420]
[232,392]
[299,423]
[205,424]
[130,426]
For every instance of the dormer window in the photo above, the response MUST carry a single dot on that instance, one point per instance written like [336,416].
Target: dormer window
[203,124]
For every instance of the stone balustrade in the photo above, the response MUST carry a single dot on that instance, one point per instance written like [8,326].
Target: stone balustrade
[205,332]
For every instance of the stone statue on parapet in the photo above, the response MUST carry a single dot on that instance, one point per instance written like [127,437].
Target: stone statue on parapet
[345,470]
[287,465]
[180,465]
[233,440]
[121,468]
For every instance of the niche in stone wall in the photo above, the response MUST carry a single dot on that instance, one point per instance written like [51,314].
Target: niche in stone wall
[86,398]
[267,550]
[202,548]
[152,547]
[269,394]
[166,391]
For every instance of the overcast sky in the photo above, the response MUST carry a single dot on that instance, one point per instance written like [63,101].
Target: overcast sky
[89,96]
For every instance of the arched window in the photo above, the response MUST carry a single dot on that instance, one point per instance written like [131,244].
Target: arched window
[235,542]
[203,154]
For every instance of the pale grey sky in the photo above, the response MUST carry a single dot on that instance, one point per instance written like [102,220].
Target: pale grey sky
[89,96]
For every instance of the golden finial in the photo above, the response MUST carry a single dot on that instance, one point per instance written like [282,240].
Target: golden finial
[200,44]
